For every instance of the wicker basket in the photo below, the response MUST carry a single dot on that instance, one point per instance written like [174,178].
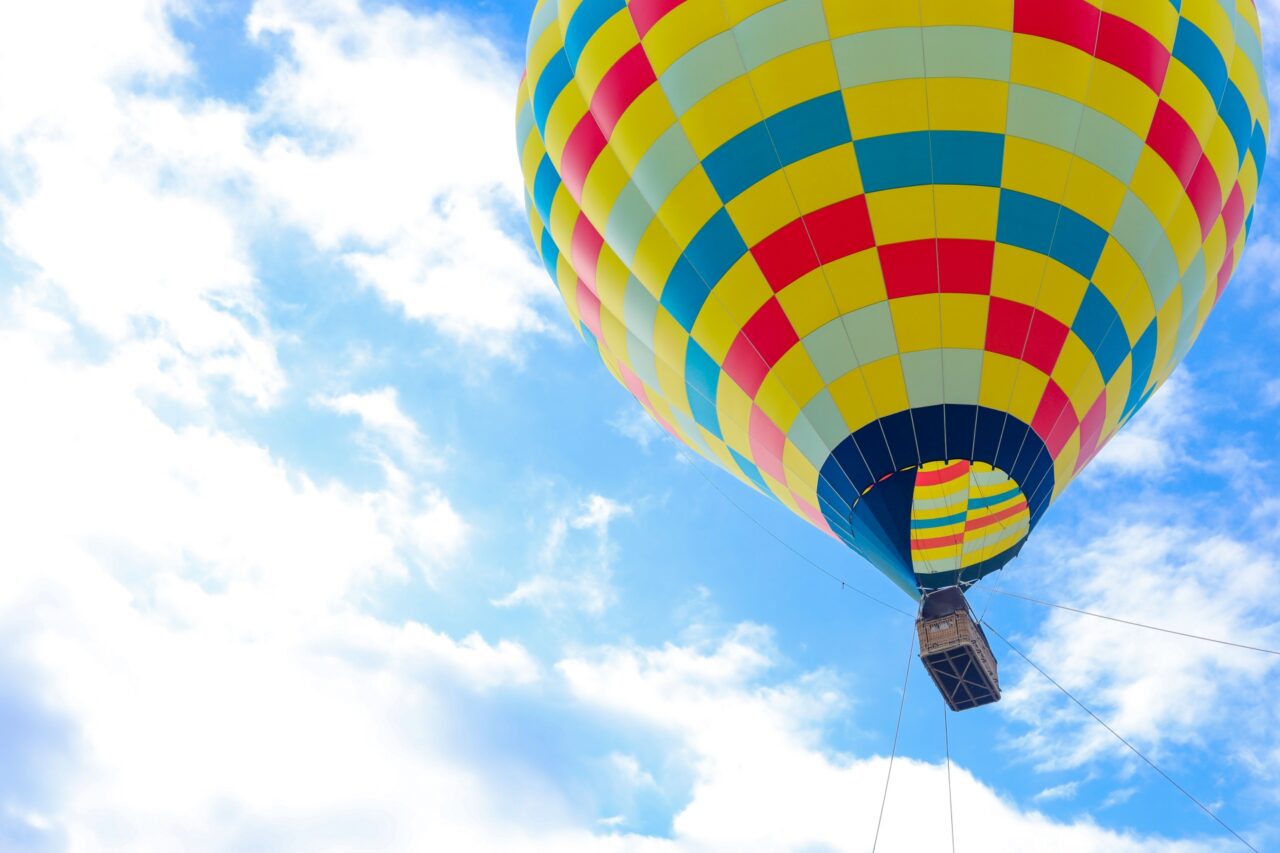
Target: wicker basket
[956,652]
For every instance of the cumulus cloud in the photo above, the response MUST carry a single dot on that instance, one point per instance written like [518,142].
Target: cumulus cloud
[762,780]
[1157,690]
[576,569]
[380,413]
[1154,442]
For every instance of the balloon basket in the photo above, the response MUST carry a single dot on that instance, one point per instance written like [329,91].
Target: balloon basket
[955,651]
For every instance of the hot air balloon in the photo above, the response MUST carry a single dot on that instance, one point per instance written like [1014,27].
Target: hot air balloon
[904,266]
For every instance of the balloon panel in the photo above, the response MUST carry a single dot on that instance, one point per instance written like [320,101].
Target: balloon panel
[847,248]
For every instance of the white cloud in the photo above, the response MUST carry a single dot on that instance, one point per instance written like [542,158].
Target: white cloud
[634,423]
[380,413]
[392,147]
[1065,791]
[576,571]
[762,780]
[1271,393]
[1153,442]
[1159,691]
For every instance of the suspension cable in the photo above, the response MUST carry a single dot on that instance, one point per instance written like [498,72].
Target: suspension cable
[1118,737]
[1006,594]
[897,728]
[946,739]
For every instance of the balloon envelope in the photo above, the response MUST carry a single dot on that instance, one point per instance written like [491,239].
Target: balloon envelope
[905,266]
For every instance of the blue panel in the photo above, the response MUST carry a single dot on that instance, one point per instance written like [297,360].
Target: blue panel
[1144,356]
[716,248]
[588,18]
[1026,221]
[546,183]
[741,162]
[1098,325]
[684,294]
[926,523]
[702,375]
[805,129]
[1078,242]
[967,157]
[992,500]
[554,78]
[1258,147]
[1197,51]
[550,254]
[749,469]
[898,160]
[1235,115]
[930,427]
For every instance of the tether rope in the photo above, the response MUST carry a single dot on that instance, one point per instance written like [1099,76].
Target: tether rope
[897,728]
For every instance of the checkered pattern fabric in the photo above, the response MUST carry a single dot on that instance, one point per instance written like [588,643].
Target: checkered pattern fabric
[841,246]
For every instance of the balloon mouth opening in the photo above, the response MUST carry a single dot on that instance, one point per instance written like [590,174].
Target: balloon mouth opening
[942,519]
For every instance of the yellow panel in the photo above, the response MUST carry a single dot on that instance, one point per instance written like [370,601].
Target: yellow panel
[763,208]
[825,178]
[879,109]
[998,372]
[774,399]
[1050,65]
[606,46]
[997,14]
[689,206]
[964,320]
[1123,97]
[644,122]
[856,281]
[808,303]
[852,399]
[1168,318]
[900,215]
[1221,153]
[742,291]
[967,212]
[802,475]
[859,16]
[1034,168]
[1061,292]
[1156,185]
[683,28]
[799,377]
[715,331]
[888,387]
[960,103]
[604,184]
[1027,393]
[1187,95]
[1157,17]
[1077,371]
[1120,280]
[1016,273]
[1183,229]
[734,408]
[916,322]
[795,77]
[1094,193]
[720,116]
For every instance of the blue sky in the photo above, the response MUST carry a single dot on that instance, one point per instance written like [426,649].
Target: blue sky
[324,531]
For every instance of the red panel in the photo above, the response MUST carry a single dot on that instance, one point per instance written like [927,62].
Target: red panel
[785,255]
[585,251]
[1054,417]
[1205,193]
[1008,323]
[767,443]
[1072,22]
[1224,274]
[1126,45]
[841,229]
[937,542]
[623,83]
[965,265]
[1172,138]
[1091,429]
[1233,215]
[995,517]
[1045,343]
[954,471]
[1019,331]
[580,153]
[910,268]
[646,13]
[771,331]
[589,308]
[744,365]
